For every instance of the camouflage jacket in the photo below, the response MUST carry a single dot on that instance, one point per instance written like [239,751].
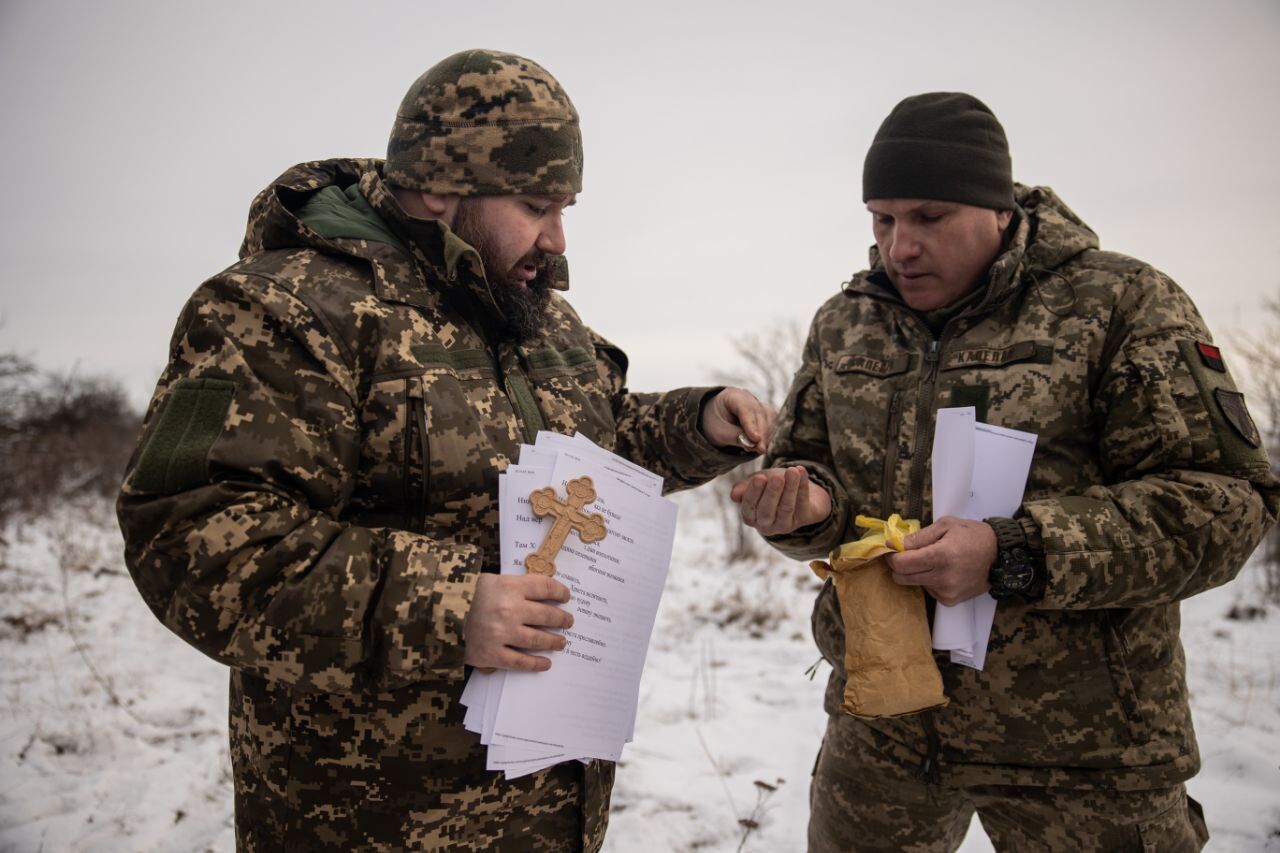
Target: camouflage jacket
[1148,485]
[314,496]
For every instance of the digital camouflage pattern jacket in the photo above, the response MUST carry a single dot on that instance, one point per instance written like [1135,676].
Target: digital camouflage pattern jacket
[1148,485]
[314,496]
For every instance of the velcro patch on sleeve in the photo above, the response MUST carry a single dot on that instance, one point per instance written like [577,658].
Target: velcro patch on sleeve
[1232,405]
[175,457]
[1236,432]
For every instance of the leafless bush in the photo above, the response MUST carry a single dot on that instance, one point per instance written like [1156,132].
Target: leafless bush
[755,613]
[767,360]
[61,437]
[1262,357]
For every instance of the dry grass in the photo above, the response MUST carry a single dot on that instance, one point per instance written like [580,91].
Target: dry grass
[61,437]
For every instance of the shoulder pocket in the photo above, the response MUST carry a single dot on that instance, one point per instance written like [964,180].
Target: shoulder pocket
[175,456]
[1161,419]
[609,354]
[791,412]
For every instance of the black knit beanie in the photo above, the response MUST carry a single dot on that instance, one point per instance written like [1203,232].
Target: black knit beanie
[945,146]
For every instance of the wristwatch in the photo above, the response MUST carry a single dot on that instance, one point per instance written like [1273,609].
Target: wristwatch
[1016,570]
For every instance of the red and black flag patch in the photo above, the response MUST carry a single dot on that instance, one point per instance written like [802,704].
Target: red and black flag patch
[1211,356]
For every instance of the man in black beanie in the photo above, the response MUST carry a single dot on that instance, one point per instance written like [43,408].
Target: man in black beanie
[1149,484]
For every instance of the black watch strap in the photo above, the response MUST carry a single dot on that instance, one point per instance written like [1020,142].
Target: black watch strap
[1009,533]
[1016,570]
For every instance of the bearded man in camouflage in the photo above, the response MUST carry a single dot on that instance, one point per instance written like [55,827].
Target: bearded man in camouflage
[1149,484]
[313,500]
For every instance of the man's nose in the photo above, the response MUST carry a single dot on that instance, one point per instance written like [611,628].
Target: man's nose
[551,238]
[903,246]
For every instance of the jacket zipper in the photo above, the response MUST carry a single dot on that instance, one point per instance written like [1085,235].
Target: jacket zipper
[520,394]
[1118,653]
[415,512]
[929,770]
[891,458]
[924,431]
[424,494]
[925,427]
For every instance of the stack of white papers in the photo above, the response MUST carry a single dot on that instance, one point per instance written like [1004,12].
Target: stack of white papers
[584,707]
[979,471]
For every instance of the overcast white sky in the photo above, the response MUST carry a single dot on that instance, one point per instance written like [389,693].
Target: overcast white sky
[724,143]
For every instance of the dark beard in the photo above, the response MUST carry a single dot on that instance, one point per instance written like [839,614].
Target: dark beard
[523,309]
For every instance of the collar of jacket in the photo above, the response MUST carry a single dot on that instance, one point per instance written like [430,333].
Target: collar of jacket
[435,244]
[452,267]
[451,263]
[448,261]
[272,220]
[1045,234]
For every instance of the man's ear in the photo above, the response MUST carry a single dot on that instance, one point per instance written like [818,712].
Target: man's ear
[423,205]
[1003,218]
[439,206]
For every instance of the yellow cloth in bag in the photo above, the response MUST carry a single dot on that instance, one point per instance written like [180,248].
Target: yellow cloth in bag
[888,651]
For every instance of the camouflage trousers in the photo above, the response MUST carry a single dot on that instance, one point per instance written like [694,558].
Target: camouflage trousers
[861,800]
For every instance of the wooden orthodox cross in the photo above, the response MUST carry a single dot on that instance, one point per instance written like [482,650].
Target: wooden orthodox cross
[568,516]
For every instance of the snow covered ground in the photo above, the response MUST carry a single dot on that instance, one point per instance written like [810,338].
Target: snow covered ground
[112,731]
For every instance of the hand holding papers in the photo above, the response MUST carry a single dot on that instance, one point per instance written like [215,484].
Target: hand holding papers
[979,471]
[584,706]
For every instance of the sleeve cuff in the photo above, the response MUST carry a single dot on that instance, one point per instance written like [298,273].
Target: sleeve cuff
[1031,531]
[693,456]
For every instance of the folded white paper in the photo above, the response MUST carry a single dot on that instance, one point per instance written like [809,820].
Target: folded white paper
[584,707]
[979,471]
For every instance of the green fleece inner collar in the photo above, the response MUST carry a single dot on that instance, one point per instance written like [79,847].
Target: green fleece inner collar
[334,213]
[337,214]
[454,249]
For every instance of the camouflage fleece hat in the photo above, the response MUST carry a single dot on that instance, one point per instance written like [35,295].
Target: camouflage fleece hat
[486,123]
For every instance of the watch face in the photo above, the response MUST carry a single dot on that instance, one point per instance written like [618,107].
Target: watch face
[1018,577]
[1014,573]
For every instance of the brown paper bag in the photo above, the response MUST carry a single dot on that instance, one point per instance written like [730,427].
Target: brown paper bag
[888,651]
